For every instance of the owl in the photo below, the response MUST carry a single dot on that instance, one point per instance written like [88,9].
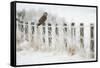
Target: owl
[42,19]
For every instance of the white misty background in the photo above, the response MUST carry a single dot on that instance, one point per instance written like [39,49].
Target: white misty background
[32,50]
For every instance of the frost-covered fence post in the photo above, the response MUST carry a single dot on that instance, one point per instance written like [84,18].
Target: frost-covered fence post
[42,37]
[32,31]
[65,34]
[26,31]
[49,34]
[81,35]
[29,32]
[92,40]
[73,33]
[21,30]
[56,30]
[43,34]
[57,36]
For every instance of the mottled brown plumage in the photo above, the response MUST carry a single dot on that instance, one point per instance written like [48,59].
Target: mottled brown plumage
[42,19]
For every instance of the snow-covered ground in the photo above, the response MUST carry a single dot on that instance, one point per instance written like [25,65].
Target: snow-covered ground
[31,57]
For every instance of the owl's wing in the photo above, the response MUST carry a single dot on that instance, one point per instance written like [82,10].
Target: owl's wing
[42,20]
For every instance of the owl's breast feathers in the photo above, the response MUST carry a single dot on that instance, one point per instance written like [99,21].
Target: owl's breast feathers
[42,20]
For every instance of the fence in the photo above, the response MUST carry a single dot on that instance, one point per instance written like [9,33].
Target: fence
[56,36]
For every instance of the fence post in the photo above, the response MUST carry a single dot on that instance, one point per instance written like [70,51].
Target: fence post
[21,28]
[57,36]
[73,33]
[65,29]
[91,40]
[26,31]
[43,34]
[49,34]
[32,31]
[81,35]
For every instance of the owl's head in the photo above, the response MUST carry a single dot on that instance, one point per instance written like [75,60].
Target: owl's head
[45,14]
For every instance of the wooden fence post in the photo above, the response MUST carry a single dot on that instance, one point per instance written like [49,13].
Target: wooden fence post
[81,35]
[73,33]
[92,40]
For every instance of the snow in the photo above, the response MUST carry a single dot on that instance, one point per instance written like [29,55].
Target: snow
[38,57]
